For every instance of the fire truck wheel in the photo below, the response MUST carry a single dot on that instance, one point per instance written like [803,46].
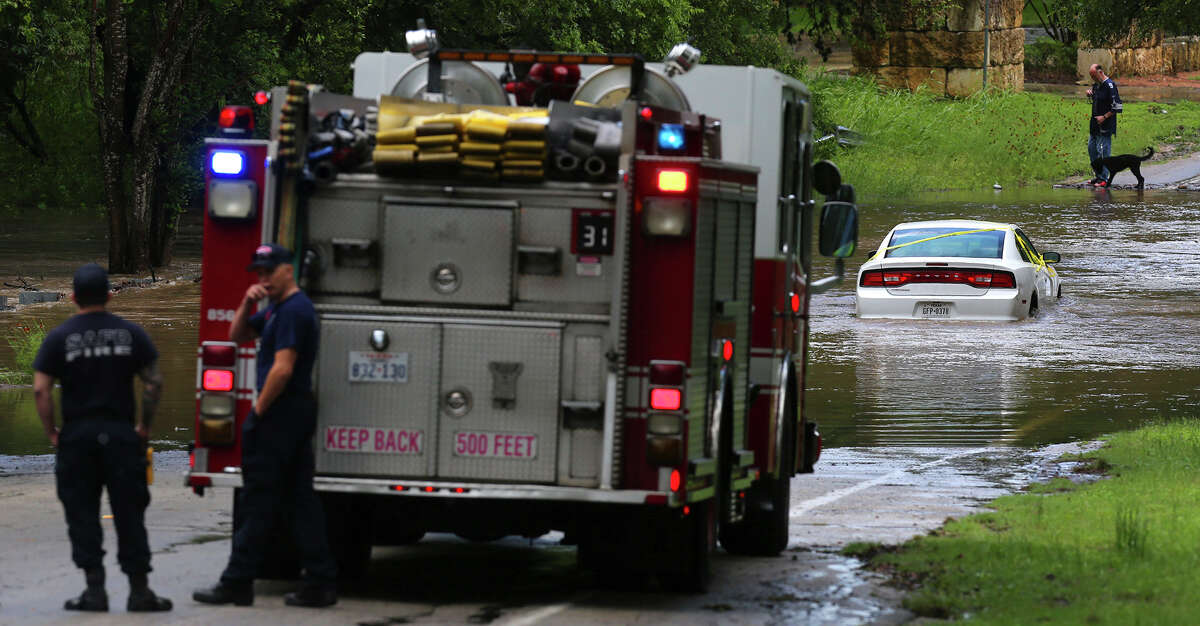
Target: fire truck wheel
[691,566]
[763,531]
[349,532]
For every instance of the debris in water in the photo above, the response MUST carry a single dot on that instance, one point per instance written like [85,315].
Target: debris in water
[997,186]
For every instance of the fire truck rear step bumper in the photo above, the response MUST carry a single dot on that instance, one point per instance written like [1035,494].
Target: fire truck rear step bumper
[441,489]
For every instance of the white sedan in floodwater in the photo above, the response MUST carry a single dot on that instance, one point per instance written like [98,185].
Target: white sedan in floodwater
[956,269]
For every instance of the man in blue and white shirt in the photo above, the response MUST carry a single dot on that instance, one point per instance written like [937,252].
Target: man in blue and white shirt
[1106,104]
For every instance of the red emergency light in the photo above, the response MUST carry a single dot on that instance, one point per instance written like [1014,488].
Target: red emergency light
[236,119]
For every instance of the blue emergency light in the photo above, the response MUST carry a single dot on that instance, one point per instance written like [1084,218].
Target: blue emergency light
[227,162]
[670,137]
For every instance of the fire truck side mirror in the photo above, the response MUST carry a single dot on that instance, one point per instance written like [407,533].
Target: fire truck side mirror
[839,229]
[826,177]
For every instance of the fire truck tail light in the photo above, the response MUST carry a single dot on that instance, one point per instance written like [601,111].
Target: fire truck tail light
[217,405]
[672,180]
[227,162]
[664,424]
[669,217]
[664,399]
[218,380]
[219,355]
[667,374]
[215,431]
[676,480]
[664,451]
[232,199]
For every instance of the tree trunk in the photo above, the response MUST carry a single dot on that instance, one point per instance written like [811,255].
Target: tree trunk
[140,231]
[110,105]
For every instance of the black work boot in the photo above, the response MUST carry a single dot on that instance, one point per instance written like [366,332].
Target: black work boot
[312,596]
[142,599]
[94,598]
[226,593]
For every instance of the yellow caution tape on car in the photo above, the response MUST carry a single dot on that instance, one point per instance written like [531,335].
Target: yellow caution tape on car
[1034,257]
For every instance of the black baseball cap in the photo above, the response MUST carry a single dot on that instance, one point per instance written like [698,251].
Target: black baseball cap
[90,284]
[269,256]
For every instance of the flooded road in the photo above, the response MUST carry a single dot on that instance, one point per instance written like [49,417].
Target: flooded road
[1120,347]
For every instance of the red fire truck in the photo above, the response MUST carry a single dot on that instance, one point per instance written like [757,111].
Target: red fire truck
[615,349]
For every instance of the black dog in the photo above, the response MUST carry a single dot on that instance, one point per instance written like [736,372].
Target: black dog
[1119,162]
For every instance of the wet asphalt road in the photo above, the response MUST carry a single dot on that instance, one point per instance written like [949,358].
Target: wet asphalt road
[857,494]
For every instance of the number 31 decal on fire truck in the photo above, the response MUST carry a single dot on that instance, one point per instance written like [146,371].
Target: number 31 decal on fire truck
[593,231]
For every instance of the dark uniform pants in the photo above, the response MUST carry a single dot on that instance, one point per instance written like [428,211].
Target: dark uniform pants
[277,476]
[94,454]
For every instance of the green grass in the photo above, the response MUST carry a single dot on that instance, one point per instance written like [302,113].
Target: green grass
[25,340]
[923,142]
[1124,550]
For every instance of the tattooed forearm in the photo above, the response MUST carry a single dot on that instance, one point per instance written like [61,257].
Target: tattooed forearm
[152,381]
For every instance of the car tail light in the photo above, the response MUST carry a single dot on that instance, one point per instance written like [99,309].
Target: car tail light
[983,279]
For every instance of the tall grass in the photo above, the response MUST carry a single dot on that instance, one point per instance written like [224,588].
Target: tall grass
[1125,550]
[25,341]
[921,141]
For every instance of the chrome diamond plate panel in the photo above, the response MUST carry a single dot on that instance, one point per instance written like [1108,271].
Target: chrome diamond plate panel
[503,415]
[352,415]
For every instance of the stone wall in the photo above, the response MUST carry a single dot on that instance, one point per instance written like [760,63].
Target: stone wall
[947,56]
[1154,55]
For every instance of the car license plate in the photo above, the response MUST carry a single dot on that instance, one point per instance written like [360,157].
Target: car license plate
[495,445]
[375,440]
[378,367]
[934,309]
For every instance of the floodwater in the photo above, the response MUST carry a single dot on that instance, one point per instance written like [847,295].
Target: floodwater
[1120,347]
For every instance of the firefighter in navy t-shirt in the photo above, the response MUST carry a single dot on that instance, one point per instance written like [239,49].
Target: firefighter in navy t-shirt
[277,456]
[95,355]
[1106,104]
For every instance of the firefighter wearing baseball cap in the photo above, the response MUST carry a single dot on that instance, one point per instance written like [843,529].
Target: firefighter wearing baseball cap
[95,355]
[277,456]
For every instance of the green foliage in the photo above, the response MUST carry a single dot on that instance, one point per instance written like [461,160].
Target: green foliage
[1118,551]
[1104,22]
[858,21]
[1048,57]
[25,341]
[920,141]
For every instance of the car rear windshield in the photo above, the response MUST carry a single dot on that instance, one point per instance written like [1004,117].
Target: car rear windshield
[988,244]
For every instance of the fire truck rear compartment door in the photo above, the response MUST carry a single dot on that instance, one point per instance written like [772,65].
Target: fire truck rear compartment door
[446,251]
[499,403]
[377,397]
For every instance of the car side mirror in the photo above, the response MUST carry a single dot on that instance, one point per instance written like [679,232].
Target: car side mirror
[839,229]
[1051,257]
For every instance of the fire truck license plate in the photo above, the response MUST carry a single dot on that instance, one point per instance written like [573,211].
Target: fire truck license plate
[378,367]
[376,440]
[495,445]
